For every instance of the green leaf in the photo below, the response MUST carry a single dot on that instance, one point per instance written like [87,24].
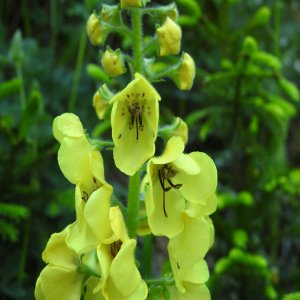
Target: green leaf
[266,59]
[289,88]
[9,87]
[97,73]
[13,211]
[292,296]
[8,230]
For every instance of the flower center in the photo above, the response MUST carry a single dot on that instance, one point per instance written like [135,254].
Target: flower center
[95,185]
[165,174]
[115,248]
[136,111]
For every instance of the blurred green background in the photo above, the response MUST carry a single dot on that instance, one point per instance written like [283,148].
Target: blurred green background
[243,110]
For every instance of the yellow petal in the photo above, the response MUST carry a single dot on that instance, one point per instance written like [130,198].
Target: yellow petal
[79,161]
[196,273]
[199,188]
[117,224]
[173,150]
[112,293]
[187,164]
[67,125]
[123,266]
[60,283]
[160,224]
[58,253]
[38,292]
[195,240]
[193,292]
[99,202]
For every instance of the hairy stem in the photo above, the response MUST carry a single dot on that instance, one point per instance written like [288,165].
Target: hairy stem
[133,204]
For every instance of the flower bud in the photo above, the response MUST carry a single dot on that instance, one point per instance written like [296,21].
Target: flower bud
[263,15]
[113,62]
[95,30]
[177,128]
[185,74]
[101,101]
[131,3]
[249,45]
[169,37]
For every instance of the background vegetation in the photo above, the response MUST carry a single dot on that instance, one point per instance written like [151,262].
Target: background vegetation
[243,111]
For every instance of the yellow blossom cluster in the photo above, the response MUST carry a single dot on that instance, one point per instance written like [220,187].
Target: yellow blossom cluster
[94,257]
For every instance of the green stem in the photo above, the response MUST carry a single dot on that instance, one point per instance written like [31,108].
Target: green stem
[148,254]
[22,89]
[137,40]
[79,62]
[160,281]
[24,253]
[277,25]
[133,204]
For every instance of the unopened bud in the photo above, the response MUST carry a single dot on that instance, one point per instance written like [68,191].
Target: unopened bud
[113,62]
[95,30]
[169,37]
[101,101]
[185,74]
[131,3]
[263,15]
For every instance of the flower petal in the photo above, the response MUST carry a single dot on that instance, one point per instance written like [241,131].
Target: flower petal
[199,188]
[195,240]
[117,224]
[58,253]
[193,292]
[60,283]
[96,212]
[123,272]
[173,150]
[159,223]
[186,164]
[67,125]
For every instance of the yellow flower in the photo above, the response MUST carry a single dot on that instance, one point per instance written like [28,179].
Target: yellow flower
[184,77]
[120,278]
[177,128]
[131,3]
[113,62]
[95,30]
[174,179]
[134,120]
[195,239]
[169,37]
[60,279]
[92,219]
[101,101]
[193,292]
[79,161]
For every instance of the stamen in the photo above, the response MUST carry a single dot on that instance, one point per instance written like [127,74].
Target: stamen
[165,173]
[137,128]
[141,122]
[115,248]
[85,196]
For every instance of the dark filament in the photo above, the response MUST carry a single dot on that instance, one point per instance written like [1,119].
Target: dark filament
[115,248]
[162,179]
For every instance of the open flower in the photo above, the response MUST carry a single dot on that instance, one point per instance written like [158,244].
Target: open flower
[120,278]
[60,279]
[174,179]
[79,161]
[134,120]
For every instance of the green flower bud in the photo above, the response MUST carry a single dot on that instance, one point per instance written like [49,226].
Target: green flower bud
[249,45]
[130,3]
[185,74]
[113,62]
[110,14]
[95,30]
[169,37]
[263,15]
